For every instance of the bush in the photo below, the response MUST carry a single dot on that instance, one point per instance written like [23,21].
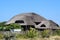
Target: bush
[1,36]
[15,26]
[45,33]
[32,33]
[56,32]
[28,34]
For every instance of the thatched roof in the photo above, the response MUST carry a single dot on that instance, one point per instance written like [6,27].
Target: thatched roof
[54,25]
[48,25]
[35,17]
[28,18]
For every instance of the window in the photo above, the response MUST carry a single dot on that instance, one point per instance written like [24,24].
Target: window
[42,25]
[37,23]
[19,21]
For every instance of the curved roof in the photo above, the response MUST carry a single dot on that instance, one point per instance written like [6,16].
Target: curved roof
[33,16]
[27,17]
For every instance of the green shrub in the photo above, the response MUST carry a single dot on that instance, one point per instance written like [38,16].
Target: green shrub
[45,33]
[11,26]
[15,26]
[28,34]
[56,32]
[1,36]
[32,33]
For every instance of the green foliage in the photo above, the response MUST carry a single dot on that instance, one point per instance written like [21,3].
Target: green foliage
[56,32]
[15,26]
[21,36]
[8,27]
[45,33]
[32,33]
[28,34]
[12,26]
[1,36]
[2,25]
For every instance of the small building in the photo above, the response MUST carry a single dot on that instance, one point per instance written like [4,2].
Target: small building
[27,20]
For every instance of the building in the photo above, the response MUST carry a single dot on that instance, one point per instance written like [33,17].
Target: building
[27,20]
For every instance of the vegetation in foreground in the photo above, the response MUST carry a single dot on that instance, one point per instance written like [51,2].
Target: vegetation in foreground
[31,34]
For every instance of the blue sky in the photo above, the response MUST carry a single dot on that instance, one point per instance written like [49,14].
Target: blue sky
[50,9]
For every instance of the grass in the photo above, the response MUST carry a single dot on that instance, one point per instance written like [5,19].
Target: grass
[36,38]
[50,38]
[36,35]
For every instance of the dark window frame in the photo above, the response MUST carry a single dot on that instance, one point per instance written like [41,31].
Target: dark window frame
[19,21]
[43,25]
[37,23]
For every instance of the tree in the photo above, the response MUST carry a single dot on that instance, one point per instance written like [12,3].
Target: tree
[2,25]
